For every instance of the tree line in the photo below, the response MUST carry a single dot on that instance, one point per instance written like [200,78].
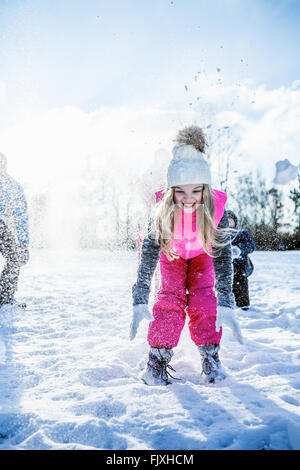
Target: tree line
[271,215]
[102,212]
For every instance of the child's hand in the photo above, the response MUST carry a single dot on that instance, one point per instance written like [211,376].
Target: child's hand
[235,251]
[225,315]
[140,312]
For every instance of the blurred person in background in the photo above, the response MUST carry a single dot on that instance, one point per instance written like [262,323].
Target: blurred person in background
[242,245]
[14,233]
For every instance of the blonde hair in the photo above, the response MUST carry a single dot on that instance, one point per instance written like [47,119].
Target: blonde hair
[162,227]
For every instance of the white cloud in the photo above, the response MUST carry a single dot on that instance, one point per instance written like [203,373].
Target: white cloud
[51,151]
[275,135]
[55,145]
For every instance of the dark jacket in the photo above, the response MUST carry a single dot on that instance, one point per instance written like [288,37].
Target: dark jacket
[244,242]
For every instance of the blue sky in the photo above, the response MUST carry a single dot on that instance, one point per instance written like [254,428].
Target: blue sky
[109,79]
[139,52]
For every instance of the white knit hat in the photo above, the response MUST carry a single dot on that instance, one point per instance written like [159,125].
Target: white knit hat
[188,167]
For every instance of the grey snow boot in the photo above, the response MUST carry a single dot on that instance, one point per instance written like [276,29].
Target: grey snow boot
[211,365]
[156,370]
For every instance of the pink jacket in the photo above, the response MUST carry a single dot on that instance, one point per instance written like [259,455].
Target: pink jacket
[186,241]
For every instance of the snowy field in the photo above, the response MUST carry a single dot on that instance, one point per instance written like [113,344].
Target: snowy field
[69,374]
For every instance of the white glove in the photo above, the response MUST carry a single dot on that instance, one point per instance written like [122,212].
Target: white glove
[226,315]
[235,251]
[140,312]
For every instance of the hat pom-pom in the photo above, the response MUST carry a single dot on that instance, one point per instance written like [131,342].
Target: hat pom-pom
[192,135]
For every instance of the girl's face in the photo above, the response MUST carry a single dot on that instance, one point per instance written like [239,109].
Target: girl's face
[188,195]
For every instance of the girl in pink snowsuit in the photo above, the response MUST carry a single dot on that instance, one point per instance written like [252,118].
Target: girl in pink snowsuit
[194,260]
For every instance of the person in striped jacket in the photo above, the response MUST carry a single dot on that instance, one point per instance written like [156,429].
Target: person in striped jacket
[14,232]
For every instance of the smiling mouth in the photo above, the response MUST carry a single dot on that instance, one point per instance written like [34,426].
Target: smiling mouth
[188,207]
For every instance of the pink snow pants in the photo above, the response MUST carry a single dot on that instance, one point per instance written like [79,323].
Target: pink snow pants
[187,286]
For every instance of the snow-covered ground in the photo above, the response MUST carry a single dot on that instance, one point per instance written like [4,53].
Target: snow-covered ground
[69,374]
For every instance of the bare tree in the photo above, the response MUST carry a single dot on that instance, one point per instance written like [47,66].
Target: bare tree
[276,208]
[295,197]
[222,144]
[251,199]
